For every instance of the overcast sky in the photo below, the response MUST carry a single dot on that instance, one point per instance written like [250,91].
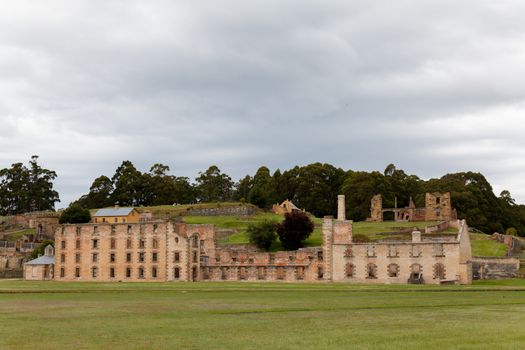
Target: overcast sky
[432,86]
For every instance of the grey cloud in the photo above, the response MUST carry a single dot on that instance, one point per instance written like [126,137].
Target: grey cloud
[358,84]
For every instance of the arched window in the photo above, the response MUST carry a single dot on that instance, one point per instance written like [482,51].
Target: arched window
[416,268]
[371,271]
[393,270]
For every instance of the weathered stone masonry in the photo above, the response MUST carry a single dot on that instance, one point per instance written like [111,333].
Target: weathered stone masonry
[168,251]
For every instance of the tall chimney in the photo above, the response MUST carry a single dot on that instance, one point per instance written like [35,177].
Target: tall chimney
[341,210]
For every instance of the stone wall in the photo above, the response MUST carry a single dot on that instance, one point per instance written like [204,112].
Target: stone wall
[376,208]
[442,226]
[11,263]
[242,210]
[491,268]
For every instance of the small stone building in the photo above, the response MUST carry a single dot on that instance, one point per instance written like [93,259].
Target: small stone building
[285,207]
[41,268]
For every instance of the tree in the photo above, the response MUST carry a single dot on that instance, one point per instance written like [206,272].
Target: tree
[75,214]
[263,234]
[99,195]
[41,193]
[359,188]
[242,188]
[316,187]
[129,183]
[214,186]
[24,189]
[295,228]
[263,193]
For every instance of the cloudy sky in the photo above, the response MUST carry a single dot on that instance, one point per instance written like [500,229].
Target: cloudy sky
[432,86]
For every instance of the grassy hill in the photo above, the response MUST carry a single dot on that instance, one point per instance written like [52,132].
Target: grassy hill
[481,244]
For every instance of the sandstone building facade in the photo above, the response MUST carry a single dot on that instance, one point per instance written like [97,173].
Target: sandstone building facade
[169,251]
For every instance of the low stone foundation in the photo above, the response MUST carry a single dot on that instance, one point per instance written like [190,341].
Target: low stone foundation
[243,210]
[491,268]
[15,273]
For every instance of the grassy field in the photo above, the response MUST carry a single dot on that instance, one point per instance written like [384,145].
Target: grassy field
[57,315]
[17,234]
[482,246]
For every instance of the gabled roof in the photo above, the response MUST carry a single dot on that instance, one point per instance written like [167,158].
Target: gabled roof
[114,212]
[43,260]
[293,206]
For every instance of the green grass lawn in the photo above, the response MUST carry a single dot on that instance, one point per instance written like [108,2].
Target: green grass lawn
[58,315]
[17,234]
[483,246]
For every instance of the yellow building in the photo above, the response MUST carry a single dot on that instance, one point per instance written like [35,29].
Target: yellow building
[116,215]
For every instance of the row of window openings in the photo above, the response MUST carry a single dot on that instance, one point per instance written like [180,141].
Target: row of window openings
[393,252]
[112,274]
[291,258]
[113,244]
[242,273]
[141,257]
[112,257]
[142,228]
[393,270]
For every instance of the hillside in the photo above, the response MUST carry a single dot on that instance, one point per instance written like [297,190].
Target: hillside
[232,229]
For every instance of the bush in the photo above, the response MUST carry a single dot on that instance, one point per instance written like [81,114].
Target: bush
[511,231]
[295,228]
[263,234]
[75,214]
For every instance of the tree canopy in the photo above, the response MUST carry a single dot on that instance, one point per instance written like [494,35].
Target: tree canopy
[313,187]
[294,229]
[75,214]
[25,189]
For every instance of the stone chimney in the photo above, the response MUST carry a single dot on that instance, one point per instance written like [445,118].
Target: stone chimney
[416,236]
[341,209]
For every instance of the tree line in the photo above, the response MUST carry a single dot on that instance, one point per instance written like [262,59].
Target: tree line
[313,187]
[27,188]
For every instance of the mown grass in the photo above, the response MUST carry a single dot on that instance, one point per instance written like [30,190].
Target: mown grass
[55,315]
[17,234]
[483,246]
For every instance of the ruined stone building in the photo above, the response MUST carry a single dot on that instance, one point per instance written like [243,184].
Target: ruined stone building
[169,251]
[438,207]
[285,207]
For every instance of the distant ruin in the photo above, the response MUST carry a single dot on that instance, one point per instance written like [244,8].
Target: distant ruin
[438,207]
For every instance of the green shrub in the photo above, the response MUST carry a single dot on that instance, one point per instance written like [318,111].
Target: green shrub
[262,234]
[75,214]
[295,228]
[511,231]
